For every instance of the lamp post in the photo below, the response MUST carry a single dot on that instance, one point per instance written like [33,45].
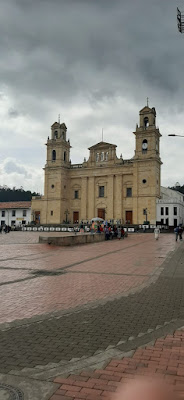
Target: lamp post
[172,134]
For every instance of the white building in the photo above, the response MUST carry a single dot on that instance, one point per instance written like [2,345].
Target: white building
[15,213]
[170,208]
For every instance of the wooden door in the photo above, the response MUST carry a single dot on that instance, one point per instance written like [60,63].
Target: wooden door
[75,217]
[101,213]
[129,218]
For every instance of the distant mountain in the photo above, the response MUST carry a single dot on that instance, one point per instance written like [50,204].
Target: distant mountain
[7,194]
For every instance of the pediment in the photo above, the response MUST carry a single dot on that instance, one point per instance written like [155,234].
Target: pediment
[102,146]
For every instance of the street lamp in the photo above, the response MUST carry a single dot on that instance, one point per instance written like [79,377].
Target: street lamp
[172,134]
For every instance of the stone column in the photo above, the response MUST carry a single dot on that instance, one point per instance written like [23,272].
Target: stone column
[118,188]
[91,197]
[135,190]
[110,197]
[84,198]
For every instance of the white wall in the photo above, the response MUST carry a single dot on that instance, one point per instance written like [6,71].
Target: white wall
[170,198]
[18,218]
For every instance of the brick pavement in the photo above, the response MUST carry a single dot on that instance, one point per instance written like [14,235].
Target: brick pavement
[163,359]
[110,295]
[90,330]
[90,272]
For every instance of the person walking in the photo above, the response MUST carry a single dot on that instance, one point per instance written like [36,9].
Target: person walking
[156,232]
[180,231]
[122,233]
[106,233]
[119,233]
[176,231]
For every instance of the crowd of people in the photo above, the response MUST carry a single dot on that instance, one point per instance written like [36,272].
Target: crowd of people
[5,229]
[111,231]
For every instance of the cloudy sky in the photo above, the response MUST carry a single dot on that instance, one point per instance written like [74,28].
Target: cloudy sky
[94,62]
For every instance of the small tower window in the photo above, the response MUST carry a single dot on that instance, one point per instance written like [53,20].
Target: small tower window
[101,191]
[129,192]
[146,122]
[76,194]
[64,156]
[97,157]
[106,156]
[53,155]
[56,135]
[102,156]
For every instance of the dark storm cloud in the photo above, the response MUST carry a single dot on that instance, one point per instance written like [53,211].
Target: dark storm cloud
[63,48]
[61,54]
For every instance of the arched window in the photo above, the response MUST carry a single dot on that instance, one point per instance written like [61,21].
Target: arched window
[106,156]
[97,157]
[53,155]
[102,156]
[56,135]
[64,156]
[146,122]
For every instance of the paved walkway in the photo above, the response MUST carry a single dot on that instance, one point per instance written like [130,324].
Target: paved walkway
[64,310]
[163,359]
[39,279]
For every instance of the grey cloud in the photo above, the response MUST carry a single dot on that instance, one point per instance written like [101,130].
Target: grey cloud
[57,54]
[13,113]
[11,167]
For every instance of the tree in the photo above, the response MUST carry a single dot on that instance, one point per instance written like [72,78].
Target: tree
[7,194]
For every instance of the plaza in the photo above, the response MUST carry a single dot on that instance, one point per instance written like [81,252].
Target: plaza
[76,310]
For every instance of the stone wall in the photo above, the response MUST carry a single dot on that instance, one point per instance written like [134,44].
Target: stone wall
[72,240]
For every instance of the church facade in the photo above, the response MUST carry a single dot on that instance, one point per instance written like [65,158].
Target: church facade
[104,186]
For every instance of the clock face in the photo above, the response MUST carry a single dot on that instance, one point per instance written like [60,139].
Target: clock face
[144,146]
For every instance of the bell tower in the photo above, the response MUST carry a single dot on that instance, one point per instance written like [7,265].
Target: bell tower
[147,135]
[56,189]
[58,147]
[147,164]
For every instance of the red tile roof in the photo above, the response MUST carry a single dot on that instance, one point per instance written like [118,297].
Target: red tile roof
[15,204]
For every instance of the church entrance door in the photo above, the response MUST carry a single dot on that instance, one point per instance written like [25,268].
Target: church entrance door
[129,218]
[75,217]
[101,213]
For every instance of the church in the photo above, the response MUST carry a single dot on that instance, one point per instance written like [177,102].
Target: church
[105,186]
